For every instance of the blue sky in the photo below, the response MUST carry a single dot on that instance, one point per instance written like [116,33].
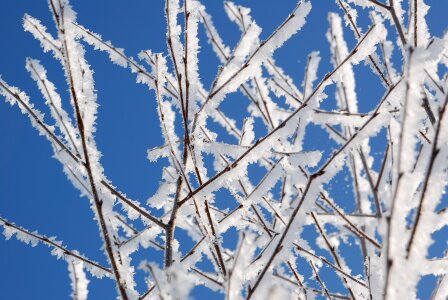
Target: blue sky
[35,194]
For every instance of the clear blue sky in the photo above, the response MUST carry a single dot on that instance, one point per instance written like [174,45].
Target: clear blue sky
[35,194]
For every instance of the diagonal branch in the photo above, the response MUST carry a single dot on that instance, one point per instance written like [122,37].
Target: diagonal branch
[108,243]
[57,246]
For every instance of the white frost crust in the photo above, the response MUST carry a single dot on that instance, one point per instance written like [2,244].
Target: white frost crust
[78,281]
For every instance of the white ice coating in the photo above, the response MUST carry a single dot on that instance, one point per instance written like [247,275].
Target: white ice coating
[208,187]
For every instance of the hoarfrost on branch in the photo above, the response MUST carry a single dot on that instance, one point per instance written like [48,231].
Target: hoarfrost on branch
[398,207]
